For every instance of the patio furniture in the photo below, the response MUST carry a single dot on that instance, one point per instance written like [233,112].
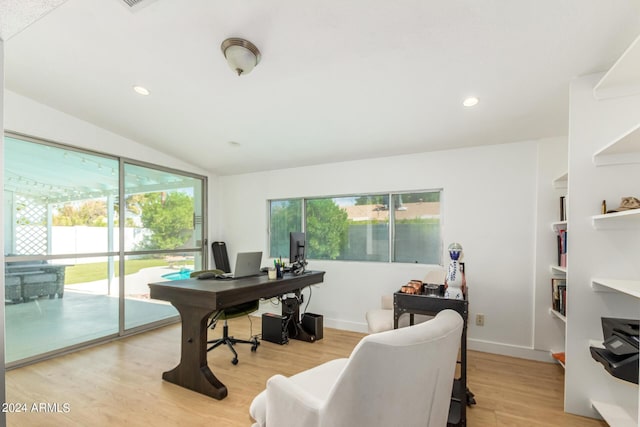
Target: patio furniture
[35,279]
[12,289]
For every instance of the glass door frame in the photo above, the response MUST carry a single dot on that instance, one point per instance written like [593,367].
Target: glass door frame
[121,253]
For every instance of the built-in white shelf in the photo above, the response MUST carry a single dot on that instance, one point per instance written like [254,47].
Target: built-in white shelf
[558,315]
[562,181]
[623,150]
[617,220]
[622,78]
[559,225]
[556,269]
[613,414]
[629,287]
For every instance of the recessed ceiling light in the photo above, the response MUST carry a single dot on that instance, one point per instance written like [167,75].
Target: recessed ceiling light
[470,101]
[141,90]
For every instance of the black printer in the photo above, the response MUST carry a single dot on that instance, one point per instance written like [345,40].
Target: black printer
[620,353]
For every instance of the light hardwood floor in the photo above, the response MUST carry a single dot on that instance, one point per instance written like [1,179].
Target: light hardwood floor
[119,383]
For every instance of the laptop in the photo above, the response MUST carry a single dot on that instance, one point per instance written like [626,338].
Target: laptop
[247,264]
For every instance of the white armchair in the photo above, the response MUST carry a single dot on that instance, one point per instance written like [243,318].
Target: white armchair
[400,377]
[381,319]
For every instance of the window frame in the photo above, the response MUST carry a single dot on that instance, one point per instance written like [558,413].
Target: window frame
[391,256]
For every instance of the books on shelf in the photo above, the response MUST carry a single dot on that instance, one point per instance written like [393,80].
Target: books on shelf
[559,295]
[563,208]
[562,247]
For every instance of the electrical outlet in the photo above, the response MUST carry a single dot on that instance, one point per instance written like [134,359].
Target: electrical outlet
[480,319]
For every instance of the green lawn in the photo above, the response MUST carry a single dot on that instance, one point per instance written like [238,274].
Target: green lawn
[82,273]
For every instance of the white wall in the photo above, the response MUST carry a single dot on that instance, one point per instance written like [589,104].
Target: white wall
[24,115]
[489,206]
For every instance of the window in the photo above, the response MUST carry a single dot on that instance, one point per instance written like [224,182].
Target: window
[284,216]
[396,227]
[416,218]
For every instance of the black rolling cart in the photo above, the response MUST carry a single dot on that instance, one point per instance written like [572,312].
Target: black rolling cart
[461,396]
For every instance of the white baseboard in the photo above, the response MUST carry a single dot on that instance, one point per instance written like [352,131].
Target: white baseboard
[346,325]
[509,350]
[472,344]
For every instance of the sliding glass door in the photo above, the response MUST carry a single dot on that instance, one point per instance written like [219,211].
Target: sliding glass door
[74,272]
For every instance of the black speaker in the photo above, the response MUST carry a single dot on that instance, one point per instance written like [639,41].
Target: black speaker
[313,324]
[274,328]
[220,257]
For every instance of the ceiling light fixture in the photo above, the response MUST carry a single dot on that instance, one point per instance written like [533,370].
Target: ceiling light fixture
[141,90]
[470,101]
[241,54]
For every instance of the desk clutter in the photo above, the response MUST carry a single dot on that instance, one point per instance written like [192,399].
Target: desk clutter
[418,287]
[279,329]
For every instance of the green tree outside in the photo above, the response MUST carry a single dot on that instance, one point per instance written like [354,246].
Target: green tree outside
[92,213]
[327,228]
[169,218]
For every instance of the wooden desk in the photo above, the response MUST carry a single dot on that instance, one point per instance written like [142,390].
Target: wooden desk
[196,300]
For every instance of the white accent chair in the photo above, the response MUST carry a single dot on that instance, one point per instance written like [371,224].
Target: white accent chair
[381,319]
[401,377]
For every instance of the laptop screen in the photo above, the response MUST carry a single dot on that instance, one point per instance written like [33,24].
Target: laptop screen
[247,264]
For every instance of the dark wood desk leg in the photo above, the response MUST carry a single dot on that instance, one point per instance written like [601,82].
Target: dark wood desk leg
[193,372]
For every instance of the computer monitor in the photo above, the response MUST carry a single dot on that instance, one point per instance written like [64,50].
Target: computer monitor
[296,247]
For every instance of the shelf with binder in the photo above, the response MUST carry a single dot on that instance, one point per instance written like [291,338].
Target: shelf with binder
[561,245]
[559,298]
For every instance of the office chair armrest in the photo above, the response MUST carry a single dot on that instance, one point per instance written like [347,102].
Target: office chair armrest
[290,405]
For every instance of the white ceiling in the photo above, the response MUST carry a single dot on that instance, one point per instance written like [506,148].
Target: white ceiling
[338,80]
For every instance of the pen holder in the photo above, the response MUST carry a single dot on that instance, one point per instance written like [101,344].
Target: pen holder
[273,274]
[279,271]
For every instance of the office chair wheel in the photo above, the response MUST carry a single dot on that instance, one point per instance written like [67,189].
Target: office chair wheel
[254,348]
[235,361]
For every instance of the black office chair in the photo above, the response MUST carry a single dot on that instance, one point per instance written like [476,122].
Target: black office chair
[239,310]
